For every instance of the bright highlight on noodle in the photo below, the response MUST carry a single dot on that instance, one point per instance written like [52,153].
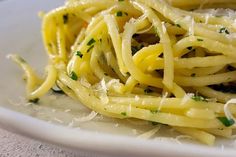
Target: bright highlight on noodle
[144,59]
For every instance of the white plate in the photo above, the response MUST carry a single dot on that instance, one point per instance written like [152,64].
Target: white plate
[20,33]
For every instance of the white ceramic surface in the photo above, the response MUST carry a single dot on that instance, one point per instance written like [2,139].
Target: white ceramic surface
[20,33]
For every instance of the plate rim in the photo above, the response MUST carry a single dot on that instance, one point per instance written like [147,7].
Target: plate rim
[78,139]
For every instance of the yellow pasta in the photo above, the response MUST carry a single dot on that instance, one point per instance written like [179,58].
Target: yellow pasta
[198,134]
[153,60]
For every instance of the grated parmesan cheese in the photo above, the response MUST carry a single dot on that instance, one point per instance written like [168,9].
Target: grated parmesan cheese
[227,112]
[186,98]
[85,82]
[113,82]
[167,139]
[191,28]
[100,90]
[162,101]
[207,18]
[58,120]
[22,102]
[180,137]
[136,98]
[89,117]
[71,124]
[67,110]
[150,133]
[103,85]
[163,27]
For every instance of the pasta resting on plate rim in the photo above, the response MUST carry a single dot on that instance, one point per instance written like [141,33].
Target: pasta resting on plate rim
[144,59]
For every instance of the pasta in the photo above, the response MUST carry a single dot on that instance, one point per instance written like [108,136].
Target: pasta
[161,61]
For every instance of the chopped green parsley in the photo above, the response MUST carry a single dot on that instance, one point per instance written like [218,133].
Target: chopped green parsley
[73,76]
[190,48]
[78,53]
[227,122]
[126,13]
[178,25]
[91,41]
[119,13]
[193,74]
[49,44]
[223,30]
[154,111]
[198,98]
[199,39]
[65,18]
[123,113]
[90,48]
[21,60]
[36,100]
